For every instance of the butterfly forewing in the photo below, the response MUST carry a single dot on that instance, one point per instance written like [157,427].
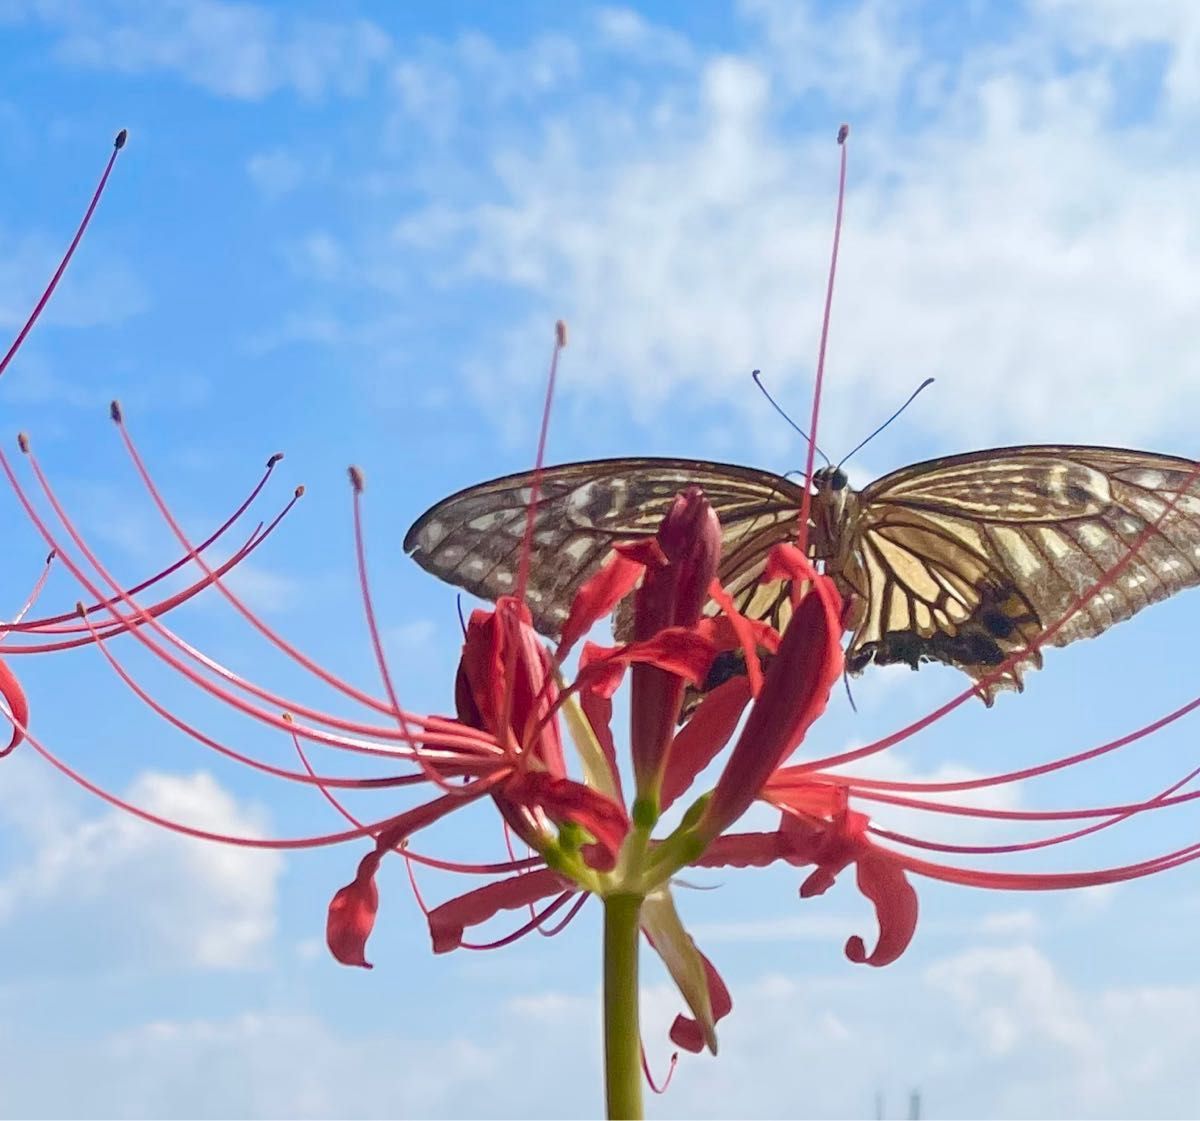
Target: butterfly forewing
[474,538]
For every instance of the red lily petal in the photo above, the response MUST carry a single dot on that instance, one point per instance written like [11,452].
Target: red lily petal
[563,800]
[601,593]
[352,914]
[448,922]
[747,850]
[672,596]
[599,673]
[883,882]
[741,633]
[705,734]
[787,562]
[14,698]
[680,651]
[795,693]
[686,1032]
[499,642]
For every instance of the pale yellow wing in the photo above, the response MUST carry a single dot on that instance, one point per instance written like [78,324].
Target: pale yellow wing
[966,559]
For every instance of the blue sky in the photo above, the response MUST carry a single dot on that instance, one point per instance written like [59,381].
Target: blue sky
[346,234]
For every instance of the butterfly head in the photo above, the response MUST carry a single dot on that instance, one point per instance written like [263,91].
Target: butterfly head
[829,478]
[832,510]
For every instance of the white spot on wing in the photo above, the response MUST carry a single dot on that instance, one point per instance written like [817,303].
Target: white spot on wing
[431,535]
[1148,478]
[577,548]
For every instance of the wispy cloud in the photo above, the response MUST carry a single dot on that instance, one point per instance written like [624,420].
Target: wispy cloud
[150,898]
[236,50]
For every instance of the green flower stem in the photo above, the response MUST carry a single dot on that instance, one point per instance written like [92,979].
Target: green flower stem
[622,1036]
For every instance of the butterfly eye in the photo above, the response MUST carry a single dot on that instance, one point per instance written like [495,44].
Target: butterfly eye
[830,478]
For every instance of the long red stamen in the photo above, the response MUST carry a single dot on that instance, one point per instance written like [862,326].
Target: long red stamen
[280,643]
[126,623]
[563,923]
[863,783]
[526,928]
[818,381]
[654,1086]
[191,731]
[118,144]
[360,554]
[560,341]
[435,732]
[212,539]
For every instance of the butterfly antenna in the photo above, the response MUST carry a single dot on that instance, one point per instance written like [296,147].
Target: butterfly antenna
[849,694]
[912,397]
[535,485]
[757,376]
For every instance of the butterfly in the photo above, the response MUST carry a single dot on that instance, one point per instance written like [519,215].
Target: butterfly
[962,560]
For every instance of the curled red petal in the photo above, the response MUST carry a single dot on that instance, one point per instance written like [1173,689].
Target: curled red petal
[746,850]
[599,673]
[732,630]
[498,644]
[787,562]
[682,651]
[351,915]
[795,693]
[599,595]
[687,1032]
[884,883]
[564,801]
[705,734]
[448,922]
[14,698]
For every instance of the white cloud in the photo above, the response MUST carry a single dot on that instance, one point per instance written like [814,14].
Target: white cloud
[628,32]
[257,1064]
[148,897]
[235,50]
[264,589]
[1012,242]
[1112,24]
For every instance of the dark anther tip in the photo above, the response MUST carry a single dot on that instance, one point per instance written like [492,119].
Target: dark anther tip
[122,136]
[356,479]
[23,442]
[274,459]
[114,411]
[843,132]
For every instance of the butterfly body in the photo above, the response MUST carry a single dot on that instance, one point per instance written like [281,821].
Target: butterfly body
[963,560]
